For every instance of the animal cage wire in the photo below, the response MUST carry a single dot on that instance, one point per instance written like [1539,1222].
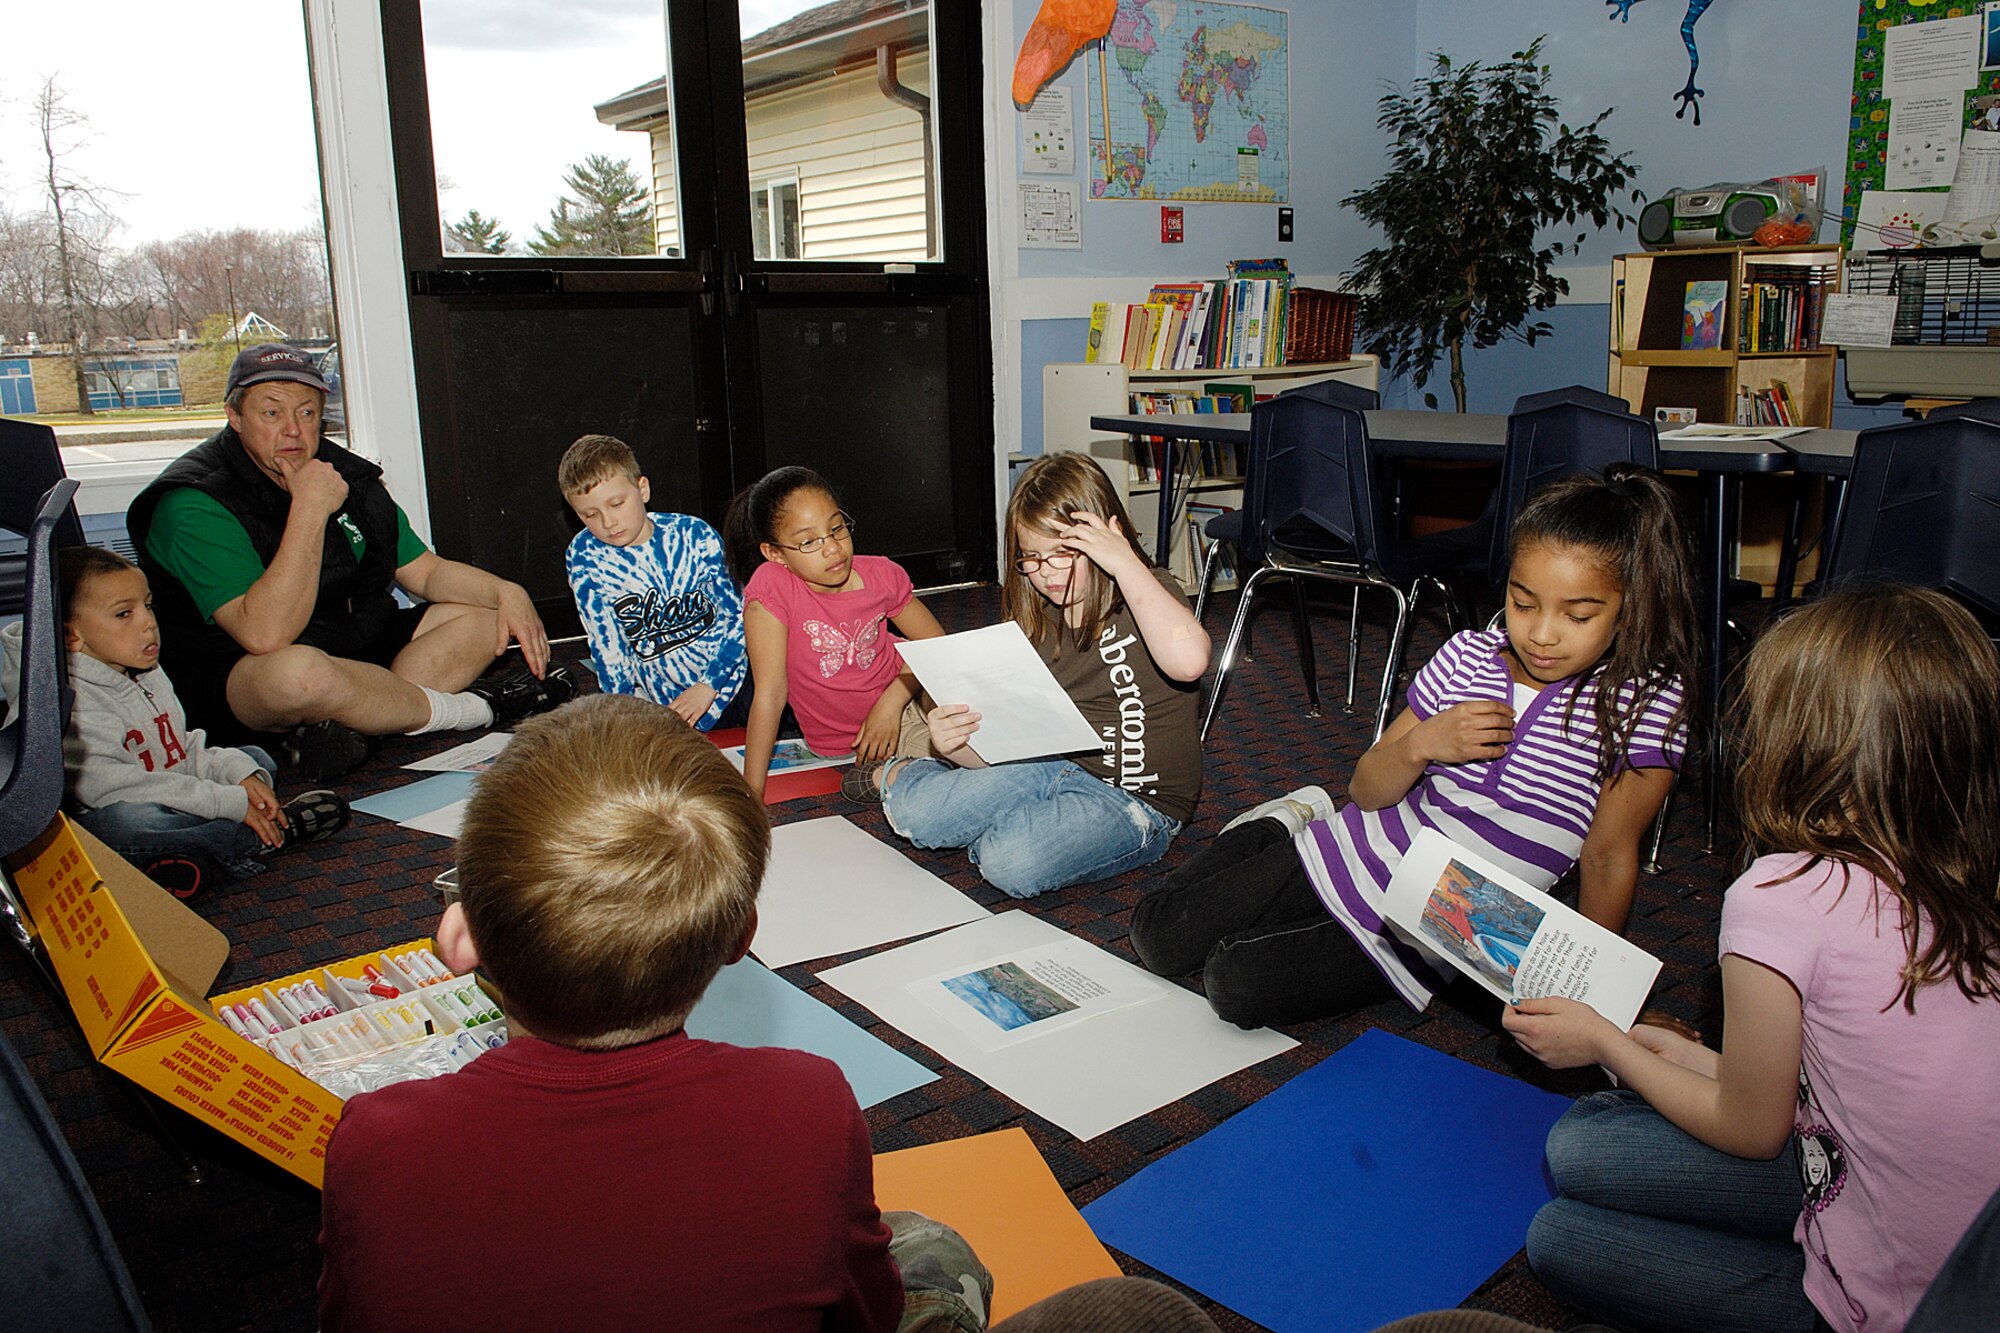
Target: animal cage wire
[1945,297]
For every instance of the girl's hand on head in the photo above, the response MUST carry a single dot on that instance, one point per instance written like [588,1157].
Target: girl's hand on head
[1465,733]
[1103,541]
[951,726]
[1561,1033]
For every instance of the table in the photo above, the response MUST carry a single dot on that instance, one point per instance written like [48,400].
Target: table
[1482,437]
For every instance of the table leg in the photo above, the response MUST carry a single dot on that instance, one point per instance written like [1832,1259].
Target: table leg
[1721,495]
[1788,555]
[1163,542]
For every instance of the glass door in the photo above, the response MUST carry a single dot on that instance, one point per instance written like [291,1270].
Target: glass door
[726,238]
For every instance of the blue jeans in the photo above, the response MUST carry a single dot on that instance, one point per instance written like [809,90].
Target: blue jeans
[1655,1230]
[141,831]
[1030,826]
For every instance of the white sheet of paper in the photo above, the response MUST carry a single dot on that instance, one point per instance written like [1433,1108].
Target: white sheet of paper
[475,756]
[1975,183]
[1923,139]
[443,821]
[1890,219]
[1854,320]
[830,888]
[1712,431]
[1051,218]
[1088,1077]
[1048,134]
[1023,713]
[1936,51]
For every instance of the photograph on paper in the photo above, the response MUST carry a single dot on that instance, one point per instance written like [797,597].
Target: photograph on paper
[1514,940]
[1029,994]
[789,757]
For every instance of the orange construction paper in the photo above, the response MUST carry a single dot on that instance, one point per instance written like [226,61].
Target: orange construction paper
[997,1192]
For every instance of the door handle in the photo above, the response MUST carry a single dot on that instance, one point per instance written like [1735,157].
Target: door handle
[732,285]
[709,265]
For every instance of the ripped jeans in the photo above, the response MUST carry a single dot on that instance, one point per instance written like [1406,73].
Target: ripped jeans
[1029,826]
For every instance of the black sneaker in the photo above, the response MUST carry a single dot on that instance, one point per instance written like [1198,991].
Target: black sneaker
[518,694]
[325,750]
[313,815]
[861,783]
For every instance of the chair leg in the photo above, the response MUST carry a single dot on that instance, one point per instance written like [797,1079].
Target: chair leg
[1307,662]
[1353,645]
[1229,644]
[1653,866]
[1405,603]
[1207,581]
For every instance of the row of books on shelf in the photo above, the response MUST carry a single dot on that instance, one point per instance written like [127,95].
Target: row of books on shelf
[1775,406]
[1236,322]
[1780,308]
[1204,458]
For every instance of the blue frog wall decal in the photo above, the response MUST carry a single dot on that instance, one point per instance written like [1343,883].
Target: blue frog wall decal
[1688,96]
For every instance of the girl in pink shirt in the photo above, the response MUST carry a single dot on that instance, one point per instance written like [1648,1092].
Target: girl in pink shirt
[1823,1163]
[816,620]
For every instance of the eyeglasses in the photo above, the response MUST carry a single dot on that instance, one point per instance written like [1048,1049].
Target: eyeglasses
[1028,564]
[841,531]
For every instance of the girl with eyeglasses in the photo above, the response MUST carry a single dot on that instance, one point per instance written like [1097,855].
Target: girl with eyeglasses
[1119,637]
[816,620]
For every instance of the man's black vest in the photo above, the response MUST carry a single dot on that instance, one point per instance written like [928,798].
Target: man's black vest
[354,604]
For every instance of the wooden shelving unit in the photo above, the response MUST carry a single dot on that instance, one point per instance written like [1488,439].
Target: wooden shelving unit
[1649,369]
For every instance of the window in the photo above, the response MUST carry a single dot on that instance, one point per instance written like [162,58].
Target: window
[774,218]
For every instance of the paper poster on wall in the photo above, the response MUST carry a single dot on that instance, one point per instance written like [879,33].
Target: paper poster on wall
[1050,219]
[1891,219]
[1923,139]
[1975,182]
[1921,57]
[1989,35]
[1048,134]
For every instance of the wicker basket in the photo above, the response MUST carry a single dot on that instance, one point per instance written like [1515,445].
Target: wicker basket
[1320,325]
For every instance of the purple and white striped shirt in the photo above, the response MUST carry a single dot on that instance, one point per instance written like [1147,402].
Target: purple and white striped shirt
[1527,810]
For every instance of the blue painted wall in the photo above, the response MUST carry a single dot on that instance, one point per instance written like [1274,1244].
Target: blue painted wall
[1777,78]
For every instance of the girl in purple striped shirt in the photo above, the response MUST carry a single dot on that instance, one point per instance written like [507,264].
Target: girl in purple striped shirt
[1546,745]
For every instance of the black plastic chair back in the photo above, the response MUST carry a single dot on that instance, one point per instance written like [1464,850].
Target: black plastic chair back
[1923,507]
[30,463]
[31,754]
[1339,393]
[1309,478]
[1985,409]
[1566,432]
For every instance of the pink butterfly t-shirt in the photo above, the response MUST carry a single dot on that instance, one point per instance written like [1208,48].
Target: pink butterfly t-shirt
[839,651]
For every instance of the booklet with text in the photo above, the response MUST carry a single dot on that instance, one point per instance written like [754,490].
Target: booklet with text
[1516,941]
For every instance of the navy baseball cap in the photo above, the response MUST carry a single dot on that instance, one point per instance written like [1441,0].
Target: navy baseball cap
[272,361]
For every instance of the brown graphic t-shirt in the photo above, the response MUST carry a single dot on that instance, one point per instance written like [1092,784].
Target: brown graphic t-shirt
[1152,741]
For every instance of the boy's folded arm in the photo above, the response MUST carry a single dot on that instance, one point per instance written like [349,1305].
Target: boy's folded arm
[111,781]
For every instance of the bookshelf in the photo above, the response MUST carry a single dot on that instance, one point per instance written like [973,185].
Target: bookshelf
[1073,392]
[1768,346]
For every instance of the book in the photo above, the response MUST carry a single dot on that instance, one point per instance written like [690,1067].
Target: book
[1515,941]
[1099,312]
[1701,315]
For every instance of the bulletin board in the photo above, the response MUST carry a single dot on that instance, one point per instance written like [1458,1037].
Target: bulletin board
[1868,118]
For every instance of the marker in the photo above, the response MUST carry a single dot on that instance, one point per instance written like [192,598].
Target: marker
[264,1015]
[438,970]
[236,1024]
[377,983]
[323,1005]
[288,1000]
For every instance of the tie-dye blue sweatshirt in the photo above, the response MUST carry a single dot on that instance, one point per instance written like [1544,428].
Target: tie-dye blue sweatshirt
[662,614]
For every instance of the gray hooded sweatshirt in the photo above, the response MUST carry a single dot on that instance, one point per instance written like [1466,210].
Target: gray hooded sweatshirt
[128,740]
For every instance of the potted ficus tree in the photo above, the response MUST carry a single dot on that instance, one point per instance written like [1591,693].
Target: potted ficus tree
[1481,166]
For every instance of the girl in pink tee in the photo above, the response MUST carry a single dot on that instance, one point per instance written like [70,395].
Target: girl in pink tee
[1824,1162]
[816,619]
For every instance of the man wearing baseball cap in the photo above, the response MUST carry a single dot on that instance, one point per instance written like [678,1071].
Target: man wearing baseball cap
[273,555]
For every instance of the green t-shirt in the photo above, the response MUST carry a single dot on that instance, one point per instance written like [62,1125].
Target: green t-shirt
[199,542]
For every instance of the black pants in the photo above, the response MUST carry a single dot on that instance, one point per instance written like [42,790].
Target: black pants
[1243,913]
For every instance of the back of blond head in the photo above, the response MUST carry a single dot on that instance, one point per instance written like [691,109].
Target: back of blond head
[608,867]
[1869,728]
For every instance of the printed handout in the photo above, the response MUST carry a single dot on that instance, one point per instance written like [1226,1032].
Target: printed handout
[475,756]
[1708,430]
[1024,995]
[1023,713]
[1516,941]
[830,889]
[789,756]
[443,821]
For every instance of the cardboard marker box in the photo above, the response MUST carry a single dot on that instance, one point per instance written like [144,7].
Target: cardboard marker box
[137,966]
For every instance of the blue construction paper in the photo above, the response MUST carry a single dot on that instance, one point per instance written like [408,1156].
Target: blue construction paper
[750,1005]
[1387,1180]
[418,798]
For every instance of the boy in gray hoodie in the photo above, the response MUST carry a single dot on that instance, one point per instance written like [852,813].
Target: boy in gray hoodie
[137,777]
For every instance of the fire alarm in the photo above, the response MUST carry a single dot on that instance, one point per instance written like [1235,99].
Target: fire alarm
[1170,225]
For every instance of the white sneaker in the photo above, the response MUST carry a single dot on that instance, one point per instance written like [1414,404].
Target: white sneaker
[1295,810]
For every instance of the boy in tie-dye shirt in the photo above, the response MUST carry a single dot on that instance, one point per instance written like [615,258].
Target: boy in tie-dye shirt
[664,619]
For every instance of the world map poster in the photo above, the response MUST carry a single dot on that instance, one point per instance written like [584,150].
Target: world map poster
[1198,102]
